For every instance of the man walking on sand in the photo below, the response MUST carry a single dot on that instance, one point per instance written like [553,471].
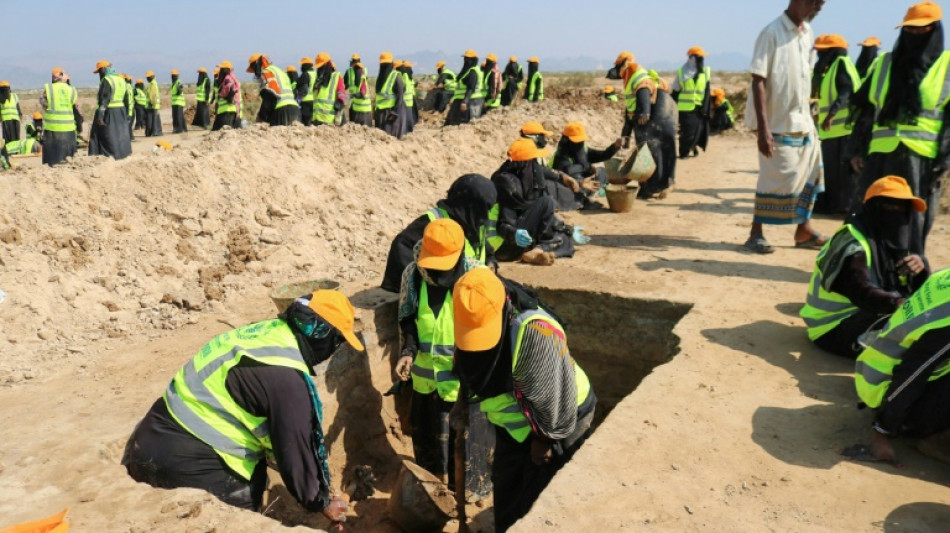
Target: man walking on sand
[790,170]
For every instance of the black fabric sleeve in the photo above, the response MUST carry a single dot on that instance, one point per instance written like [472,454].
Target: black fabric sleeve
[845,89]
[854,282]
[471,83]
[400,253]
[943,156]
[599,156]
[410,336]
[644,106]
[707,99]
[551,174]
[303,84]
[281,395]
[105,94]
[893,412]
[862,113]
[268,105]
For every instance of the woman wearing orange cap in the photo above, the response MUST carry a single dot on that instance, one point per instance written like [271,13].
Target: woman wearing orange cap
[153,120]
[902,116]
[177,93]
[357,87]
[141,101]
[279,106]
[255,398]
[60,104]
[203,96]
[574,158]
[110,135]
[229,100]
[10,111]
[467,100]
[513,77]
[834,80]
[492,76]
[392,115]
[723,114]
[865,272]
[691,92]
[869,51]
[534,89]
[426,325]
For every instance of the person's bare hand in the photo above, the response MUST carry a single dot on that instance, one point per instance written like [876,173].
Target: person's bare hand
[617,143]
[857,164]
[404,367]
[463,107]
[766,144]
[336,510]
[541,452]
[643,120]
[910,265]
[570,182]
[826,124]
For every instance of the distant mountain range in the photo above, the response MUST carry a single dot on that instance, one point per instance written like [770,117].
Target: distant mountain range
[424,63]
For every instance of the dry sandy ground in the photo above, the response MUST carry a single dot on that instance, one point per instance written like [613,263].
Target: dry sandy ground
[117,272]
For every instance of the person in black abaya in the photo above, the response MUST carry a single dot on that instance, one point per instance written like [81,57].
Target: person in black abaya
[467,202]
[512,76]
[574,158]
[110,134]
[694,124]
[392,115]
[874,152]
[466,105]
[203,94]
[869,50]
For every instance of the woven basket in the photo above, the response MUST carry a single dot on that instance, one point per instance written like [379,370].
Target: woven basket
[284,295]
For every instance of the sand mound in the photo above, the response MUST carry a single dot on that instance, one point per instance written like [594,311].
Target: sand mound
[99,248]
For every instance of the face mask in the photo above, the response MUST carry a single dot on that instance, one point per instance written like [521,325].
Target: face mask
[613,74]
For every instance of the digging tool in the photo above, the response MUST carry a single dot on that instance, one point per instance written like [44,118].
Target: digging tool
[460,425]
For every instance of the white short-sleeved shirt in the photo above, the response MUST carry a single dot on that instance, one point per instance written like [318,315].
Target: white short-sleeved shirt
[783,56]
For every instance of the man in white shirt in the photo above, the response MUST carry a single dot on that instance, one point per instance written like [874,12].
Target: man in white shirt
[790,167]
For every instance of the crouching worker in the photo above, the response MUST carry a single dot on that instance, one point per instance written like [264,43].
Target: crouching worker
[513,356]
[247,396]
[902,375]
[426,324]
[865,272]
[527,227]
[470,201]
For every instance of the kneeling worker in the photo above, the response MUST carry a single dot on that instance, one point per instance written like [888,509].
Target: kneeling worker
[514,357]
[865,272]
[902,375]
[246,396]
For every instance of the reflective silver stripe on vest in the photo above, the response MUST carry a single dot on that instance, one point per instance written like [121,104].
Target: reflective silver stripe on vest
[824,321]
[194,380]
[439,349]
[872,376]
[881,79]
[426,373]
[515,426]
[917,135]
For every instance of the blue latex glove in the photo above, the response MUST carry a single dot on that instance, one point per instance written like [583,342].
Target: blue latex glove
[522,238]
[579,237]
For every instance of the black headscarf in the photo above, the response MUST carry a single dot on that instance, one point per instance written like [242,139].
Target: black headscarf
[511,69]
[202,76]
[913,57]
[306,323]
[384,70]
[358,76]
[323,75]
[4,94]
[529,173]
[406,70]
[889,234]
[825,59]
[468,63]
[865,58]
[293,75]
[468,201]
[700,65]
[566,148]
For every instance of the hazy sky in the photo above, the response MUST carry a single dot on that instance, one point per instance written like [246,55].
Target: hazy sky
[187,35]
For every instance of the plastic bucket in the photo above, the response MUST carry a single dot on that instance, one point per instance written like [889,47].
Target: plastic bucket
[620,198]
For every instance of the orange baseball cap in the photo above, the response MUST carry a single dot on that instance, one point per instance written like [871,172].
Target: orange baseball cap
[491,57]
[609,89]
[513,59]
[139,81]
[355,57]
[871,41]
[290,68]
[225,64]
[624,56]
[534,59]
[252,60]
[439,65]
[470,53]
[4,83]
[322,59]
[398,63]
[830,41]
[149,74]
[58,71]
[385,57]
[203,70]
[37,115]
[696,51]
[478,302]
[575,132]
[305,61]
[535,128]
[525,150]
[442,245]
[407,64]
[897,188]
[100,65]
[922,14]
[174,72]
[335,308]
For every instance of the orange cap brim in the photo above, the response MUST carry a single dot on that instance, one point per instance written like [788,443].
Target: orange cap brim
[578,138]
[431,261]
[926,21]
